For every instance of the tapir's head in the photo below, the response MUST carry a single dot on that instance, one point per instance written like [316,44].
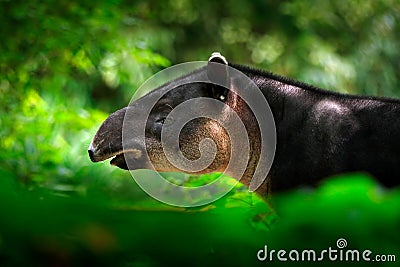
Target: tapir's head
[108,141]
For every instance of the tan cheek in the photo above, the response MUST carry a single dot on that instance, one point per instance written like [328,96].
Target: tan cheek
[190,148]
[217,133]
[158,159]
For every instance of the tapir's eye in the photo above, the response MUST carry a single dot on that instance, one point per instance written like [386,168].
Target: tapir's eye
[162,113]
[161,120]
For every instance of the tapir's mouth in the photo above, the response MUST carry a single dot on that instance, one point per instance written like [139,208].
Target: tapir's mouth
[117,158]
[95,156]
[119,161]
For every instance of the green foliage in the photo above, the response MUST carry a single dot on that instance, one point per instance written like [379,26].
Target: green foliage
[62,62]
[65,65]
[91,230]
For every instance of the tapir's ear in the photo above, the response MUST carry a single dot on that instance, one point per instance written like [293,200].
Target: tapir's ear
[217,72]
[218,58]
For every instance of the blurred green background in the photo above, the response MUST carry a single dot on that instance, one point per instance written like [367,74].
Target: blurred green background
[65,65]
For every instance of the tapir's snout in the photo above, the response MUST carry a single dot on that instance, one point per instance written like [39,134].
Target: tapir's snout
[107,143]
[92,154]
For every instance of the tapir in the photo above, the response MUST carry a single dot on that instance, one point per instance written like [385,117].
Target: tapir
[319,133]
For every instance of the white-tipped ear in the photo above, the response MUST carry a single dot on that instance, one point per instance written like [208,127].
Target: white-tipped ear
[217,72]
[217,69]
[218,58]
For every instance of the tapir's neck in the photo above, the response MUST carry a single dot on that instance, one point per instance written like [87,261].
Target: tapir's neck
[281,95]
[277,90]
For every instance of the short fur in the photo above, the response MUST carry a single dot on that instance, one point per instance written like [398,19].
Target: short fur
[319,133]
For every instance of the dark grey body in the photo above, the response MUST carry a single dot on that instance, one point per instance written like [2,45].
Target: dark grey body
[319,133]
